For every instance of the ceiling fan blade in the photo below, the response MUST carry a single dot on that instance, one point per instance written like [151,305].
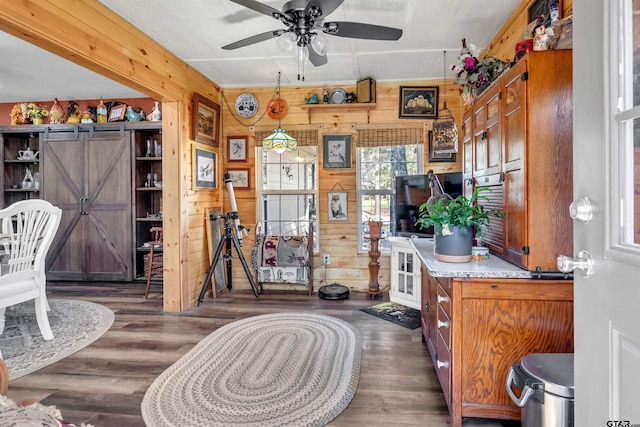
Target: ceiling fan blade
[253,39]
[326,6]
[315,58]
[359,30]
[257,6]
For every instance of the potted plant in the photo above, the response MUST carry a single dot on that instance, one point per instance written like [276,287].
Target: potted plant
[454,222]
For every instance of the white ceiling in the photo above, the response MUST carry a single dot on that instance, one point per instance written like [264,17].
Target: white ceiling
[195,30]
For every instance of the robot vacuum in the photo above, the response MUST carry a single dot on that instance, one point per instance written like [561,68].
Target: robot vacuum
[333,291]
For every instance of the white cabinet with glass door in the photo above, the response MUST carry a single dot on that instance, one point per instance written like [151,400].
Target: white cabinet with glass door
[405,273]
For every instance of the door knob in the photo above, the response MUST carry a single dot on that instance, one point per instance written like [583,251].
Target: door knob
[581,210]
[582,262]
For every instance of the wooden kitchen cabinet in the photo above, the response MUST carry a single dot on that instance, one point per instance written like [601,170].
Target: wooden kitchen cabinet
[467,153]
[476,329]
[533,183]
[487,133]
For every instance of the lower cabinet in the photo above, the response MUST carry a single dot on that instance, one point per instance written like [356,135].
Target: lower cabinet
[476,329]
[405,274]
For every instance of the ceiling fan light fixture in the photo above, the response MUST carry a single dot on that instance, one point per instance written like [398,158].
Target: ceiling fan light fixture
[320,44]
[302,54]
[286,41]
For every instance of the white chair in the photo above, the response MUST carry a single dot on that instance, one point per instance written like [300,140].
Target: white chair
[27,229]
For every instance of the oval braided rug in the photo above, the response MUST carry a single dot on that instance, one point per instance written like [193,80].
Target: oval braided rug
[286,369]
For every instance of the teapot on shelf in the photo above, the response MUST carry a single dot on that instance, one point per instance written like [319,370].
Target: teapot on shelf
[27,154]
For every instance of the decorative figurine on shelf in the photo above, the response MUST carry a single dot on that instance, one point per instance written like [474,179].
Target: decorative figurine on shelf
[101,112]
[351,98]
[313,99]
[134,115]
[541,37]
[73,113]
[56,114]
[86,117]
[27,181]
[155,115]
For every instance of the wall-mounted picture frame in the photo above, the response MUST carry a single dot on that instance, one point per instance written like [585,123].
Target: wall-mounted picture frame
[439,157]
[240,178]
[419,102]
[336,151]
[206,120]
[337,206]
[237,151]
[204,168]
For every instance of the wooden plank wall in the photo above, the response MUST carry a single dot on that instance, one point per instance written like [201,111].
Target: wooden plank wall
[90,35]
[337,239]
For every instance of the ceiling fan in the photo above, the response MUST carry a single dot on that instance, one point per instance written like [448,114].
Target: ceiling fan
[305,21]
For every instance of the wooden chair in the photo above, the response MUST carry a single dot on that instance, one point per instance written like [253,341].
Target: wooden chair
[156,243]
[27,231]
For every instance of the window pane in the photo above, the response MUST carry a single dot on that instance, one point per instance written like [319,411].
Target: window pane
[294,170]
[287,214]
[378,168]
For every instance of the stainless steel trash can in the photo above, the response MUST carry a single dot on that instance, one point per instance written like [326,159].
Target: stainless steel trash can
[545,382]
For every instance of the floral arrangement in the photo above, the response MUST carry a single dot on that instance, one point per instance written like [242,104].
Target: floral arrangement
[475,75]
[35,111]
[24,113]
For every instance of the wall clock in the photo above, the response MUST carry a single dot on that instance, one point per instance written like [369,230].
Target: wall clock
[246,105]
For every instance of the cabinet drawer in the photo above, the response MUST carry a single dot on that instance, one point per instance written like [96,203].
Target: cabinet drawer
[443,368]
[444,325]
[446,284]
[444,300]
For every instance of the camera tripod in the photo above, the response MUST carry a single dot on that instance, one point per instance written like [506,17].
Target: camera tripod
[227,239]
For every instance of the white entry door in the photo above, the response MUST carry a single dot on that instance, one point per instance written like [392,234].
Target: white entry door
[606,162]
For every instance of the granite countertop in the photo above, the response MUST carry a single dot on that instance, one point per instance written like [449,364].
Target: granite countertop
[494,267]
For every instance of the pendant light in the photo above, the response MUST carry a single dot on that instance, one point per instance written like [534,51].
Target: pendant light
[279,141]
[445,130]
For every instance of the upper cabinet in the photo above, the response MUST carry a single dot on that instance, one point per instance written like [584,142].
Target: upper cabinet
[520,145]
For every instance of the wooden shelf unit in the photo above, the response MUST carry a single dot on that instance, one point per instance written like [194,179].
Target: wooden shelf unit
[311,108]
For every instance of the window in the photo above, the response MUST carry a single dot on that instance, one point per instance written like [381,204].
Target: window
[287,190]
[378,166]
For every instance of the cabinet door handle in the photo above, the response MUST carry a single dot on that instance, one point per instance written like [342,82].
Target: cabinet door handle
[442,324]
[440,364]
[442,299]
[81,205]
[426,306]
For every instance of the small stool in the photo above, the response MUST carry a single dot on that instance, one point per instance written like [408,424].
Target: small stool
[156,243]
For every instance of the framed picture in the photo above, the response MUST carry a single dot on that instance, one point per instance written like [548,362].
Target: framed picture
[117,112]
[206,118]
[419,102]
[337,206]
[237,148]
[204,170]
[439,157]
[240,178]
[541,7]
[336,151]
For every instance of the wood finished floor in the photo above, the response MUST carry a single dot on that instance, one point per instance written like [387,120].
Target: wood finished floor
[104,383]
